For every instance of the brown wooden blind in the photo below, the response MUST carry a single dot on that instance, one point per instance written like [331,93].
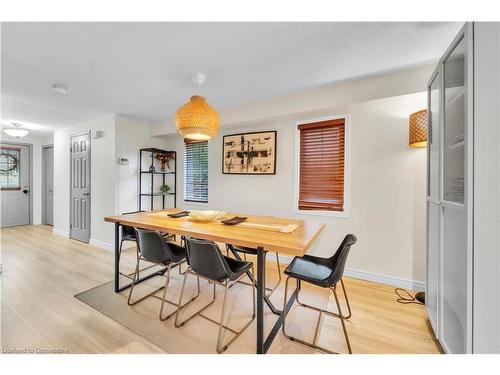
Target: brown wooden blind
[322,155]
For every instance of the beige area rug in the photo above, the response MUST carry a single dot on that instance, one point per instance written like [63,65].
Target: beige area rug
[200,335]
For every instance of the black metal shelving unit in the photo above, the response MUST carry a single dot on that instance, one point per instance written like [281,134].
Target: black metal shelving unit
[152,172]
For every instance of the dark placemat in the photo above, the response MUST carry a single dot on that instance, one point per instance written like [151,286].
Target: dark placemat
[234,220]
[179,214]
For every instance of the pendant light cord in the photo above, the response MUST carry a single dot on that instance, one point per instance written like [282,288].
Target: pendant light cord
[406,299]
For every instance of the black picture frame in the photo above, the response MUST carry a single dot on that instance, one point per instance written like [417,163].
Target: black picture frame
[275,134]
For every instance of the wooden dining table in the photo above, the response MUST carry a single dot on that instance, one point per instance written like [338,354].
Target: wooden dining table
[260,233]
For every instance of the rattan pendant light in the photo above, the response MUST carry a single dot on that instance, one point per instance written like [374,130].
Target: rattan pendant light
[196,120]
[417,124]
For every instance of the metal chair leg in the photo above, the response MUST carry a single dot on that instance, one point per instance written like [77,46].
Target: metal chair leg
[152,294]
[131,275]
[326,311]
[180,324]
[342,320]
[269,290]
[346,300]
[318,323]
[180,267]
[120,256]
[285,311]
[135,278]
[222,326]
[279,276]
[180,297]
[220,349]
[220,346]
[134,281]
[163,299]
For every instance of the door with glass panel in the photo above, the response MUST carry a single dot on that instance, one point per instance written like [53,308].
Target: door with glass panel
[456,164]
[433,204]
[15,184]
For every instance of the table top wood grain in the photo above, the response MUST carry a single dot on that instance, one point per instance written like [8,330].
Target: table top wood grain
[295,243]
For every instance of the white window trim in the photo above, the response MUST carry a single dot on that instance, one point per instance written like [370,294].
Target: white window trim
[347,167]
[195,203]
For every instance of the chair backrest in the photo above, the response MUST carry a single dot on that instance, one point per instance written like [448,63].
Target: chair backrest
[339,259]
[206,259]
[128,231]
[152,246]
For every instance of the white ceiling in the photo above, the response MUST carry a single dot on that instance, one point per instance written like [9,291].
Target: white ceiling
[143,70]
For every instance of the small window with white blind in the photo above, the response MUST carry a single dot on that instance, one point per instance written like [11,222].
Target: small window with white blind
[196,172]
[322,178]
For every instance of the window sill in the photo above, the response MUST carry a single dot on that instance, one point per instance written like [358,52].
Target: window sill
[194,203]
[343,214]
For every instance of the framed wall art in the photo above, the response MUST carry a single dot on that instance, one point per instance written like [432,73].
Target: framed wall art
[249,153]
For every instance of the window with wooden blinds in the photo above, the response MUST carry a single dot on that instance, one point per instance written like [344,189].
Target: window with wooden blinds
[196,171]
[321,165]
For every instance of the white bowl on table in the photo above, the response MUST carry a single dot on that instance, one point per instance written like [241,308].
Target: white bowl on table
[206,216]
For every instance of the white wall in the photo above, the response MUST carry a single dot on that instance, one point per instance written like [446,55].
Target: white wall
[103,177]
[387,187]
[37,141]
[131,136]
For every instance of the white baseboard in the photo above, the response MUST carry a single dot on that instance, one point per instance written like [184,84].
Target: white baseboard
[101,245]
[60,232]
[384,279]
[110,247]
[370,276]
[93,242]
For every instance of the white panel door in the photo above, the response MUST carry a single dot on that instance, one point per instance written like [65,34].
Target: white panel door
[80,188]
[15,184]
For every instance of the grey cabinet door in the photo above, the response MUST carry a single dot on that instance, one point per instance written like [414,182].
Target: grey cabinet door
[433,205]
[449,196]
[80,187]
[456,192]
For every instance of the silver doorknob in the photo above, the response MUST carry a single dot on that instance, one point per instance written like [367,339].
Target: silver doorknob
[86,194]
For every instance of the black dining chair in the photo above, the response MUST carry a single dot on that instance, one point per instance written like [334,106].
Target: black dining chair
[325,273]
[251,251]
[128,232]
[153,248]
[206,261]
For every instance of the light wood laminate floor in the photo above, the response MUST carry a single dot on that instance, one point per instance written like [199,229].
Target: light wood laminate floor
[41,273]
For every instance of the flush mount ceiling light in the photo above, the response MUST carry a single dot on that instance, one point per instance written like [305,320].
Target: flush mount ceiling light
[16,131]
[60,89]
[417,124]
[196,120]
